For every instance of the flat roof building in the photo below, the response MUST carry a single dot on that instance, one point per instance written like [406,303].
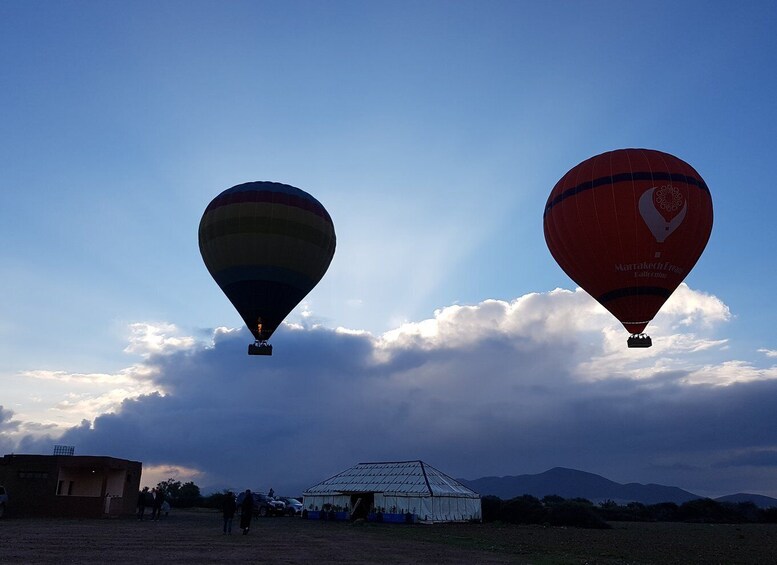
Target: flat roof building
[71,486]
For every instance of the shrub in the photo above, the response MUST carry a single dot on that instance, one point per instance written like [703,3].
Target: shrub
[490,507]
[709,511]
[524,509]
[577,514]
[664,512]
[768,515]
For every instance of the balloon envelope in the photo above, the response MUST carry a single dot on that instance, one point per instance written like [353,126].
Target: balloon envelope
[267,245]
[627,226]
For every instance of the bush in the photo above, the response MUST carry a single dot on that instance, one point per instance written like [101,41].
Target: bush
[524,509]
[612,512]
[581,513]
[490,506]
[768,515]
[552,499]
[708,511]
[664,512]
[576,514]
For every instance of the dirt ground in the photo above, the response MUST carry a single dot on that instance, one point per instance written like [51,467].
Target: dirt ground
[195,537]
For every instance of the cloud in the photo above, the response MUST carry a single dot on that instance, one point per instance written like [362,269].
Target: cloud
[154,474]
[148,339]
[7,423]
[493,388]
[64,399]
[686,307]
[8,427]
[753,457]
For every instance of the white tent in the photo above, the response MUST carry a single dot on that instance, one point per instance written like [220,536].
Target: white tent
[395,491]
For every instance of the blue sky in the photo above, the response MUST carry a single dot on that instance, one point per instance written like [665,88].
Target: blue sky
[433,133]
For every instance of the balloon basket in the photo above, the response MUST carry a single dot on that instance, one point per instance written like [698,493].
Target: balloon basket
[640,340]
[260,349]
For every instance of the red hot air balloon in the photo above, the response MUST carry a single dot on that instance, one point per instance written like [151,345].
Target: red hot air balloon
[627,226]
[267,245]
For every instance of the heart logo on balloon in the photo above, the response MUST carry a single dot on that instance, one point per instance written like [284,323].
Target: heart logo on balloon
[663,210]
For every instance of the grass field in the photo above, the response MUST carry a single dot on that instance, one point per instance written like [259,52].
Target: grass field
[195,536]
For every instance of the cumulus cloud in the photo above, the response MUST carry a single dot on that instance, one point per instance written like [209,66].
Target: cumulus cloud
[6,421]
[154,474]
[66,398]
[686,307]
[8,427]
[123,377]
[493,388]
[148,339]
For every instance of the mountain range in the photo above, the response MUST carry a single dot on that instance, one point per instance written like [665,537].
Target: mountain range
[571,483]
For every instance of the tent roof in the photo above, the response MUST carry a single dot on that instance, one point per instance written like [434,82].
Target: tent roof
[399,477]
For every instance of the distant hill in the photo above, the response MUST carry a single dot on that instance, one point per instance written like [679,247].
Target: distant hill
[759,500]
[570,483]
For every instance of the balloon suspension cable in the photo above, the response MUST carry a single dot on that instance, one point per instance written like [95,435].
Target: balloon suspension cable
[639,340]
[260,347]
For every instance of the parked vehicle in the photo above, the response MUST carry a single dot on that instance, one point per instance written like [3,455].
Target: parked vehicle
[293,505]
[263,504]
[3,500]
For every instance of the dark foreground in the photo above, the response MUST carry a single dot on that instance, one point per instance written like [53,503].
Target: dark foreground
[195,537]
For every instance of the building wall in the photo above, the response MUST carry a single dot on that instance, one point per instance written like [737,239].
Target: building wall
[317,502]
[426,508]
[75,483]
[70,485]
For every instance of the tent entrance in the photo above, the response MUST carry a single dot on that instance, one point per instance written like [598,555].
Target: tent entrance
[361,504]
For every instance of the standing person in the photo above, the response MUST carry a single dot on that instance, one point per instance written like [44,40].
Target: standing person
[156,509]
[246,511]
[229,508]
[153,504]
[142,502]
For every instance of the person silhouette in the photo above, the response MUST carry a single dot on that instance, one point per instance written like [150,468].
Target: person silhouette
[246,511]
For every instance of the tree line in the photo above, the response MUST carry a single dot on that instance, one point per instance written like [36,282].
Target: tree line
[180,495]
[188,495]
[580,512]
[551,510]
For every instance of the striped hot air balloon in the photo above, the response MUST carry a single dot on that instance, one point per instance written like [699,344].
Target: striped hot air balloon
[267,245]
[627,226]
